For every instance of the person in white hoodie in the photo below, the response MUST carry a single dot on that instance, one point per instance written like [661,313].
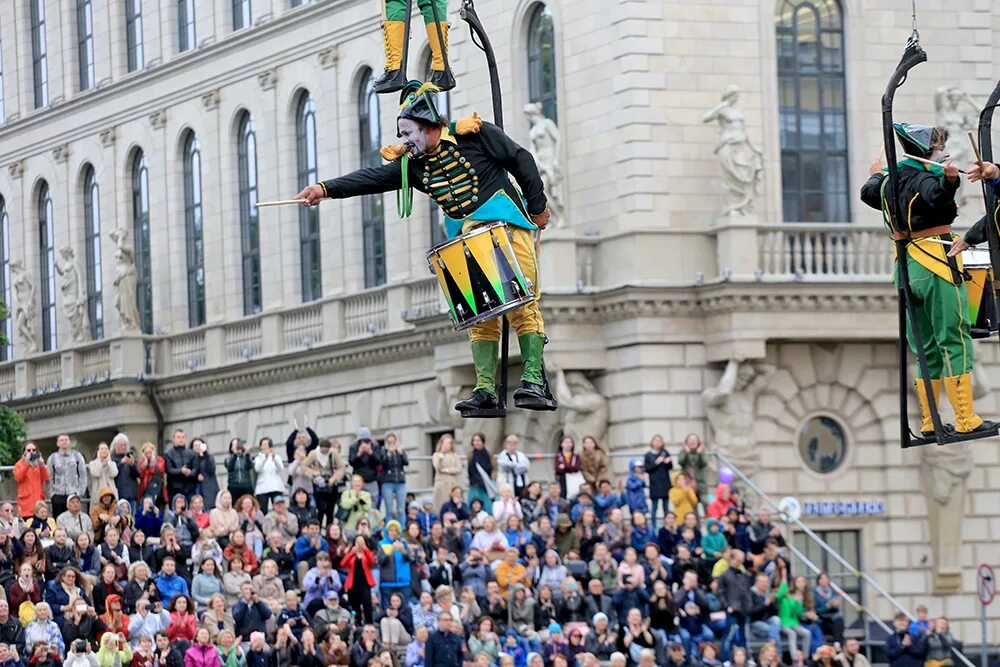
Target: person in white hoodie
[103,471]
[270,474]
[79,654]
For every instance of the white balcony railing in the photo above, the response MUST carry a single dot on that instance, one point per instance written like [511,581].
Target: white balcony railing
[823,252]
[302,328]
[366,314]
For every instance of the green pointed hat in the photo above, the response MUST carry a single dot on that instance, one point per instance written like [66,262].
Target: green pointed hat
[916,139]
[417,101]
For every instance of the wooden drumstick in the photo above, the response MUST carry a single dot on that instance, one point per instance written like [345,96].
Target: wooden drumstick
[975,149]
[279,202]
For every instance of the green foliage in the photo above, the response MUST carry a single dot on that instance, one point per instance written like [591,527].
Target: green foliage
[13,431]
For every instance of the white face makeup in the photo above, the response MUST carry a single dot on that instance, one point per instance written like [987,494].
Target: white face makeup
[414,136]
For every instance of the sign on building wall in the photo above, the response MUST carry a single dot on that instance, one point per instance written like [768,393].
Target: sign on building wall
[840,508]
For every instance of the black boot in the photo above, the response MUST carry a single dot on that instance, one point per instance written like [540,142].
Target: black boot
[531,396]
[480,400]
[444,80]
[391,81]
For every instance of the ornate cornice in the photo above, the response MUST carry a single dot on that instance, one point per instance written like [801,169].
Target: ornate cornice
[74,401]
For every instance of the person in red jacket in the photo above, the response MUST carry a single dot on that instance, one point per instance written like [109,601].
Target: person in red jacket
[31,473]
[182,619]
[358,563]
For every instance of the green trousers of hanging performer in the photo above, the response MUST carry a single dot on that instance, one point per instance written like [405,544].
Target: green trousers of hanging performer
[394,28]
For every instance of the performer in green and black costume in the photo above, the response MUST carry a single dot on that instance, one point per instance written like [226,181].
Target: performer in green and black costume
[393,31]
[464,167]
[927,198]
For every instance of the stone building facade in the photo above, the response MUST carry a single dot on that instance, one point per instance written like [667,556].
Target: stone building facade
[650,293]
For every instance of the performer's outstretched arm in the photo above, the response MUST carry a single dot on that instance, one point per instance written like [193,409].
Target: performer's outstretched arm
[368,181]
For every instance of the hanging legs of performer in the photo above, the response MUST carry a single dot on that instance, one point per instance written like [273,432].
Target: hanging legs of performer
[940,296]
[394,29]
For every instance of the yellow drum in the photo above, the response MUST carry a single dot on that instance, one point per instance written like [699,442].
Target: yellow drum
[982,308]
[479,275]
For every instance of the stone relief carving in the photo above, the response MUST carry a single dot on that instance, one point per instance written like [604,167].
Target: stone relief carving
[731,410]
[25,308]
[959,113]
[944,472]
[16,170]
[268,80]
[60,153]
[741,162]
[158,119]
[108,137]
[544,139]
[74,294]
[328,57]
[126,280]
[583,409]
[211,99]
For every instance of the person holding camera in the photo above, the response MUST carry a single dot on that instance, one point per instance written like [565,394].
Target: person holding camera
[328,470]
[114,651]
[239,466]
[355,503]
[83,624]
[81,655]
[251,613]
[31,474]
[149,619]
[127,478]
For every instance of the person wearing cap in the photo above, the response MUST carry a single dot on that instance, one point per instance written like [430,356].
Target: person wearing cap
[74,520]
[926,196]
[465,167]
[330,614]
[365,457]
[281,520]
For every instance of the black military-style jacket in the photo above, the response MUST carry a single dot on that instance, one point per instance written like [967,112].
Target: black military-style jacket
[466,171]
[926,199]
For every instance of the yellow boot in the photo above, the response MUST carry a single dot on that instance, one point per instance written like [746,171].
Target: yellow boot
[392,78]
[926,423]
[959,388]
[440,77]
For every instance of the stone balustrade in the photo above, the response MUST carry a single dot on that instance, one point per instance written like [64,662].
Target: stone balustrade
[331,321]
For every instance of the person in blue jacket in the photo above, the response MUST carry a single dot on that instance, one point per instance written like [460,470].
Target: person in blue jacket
[169,583]
[902,647]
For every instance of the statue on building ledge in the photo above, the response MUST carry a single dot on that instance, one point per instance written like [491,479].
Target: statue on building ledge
[25,308]
[545,138]
[731,408]
[126,281]
[742,163]
[74,294]
[584,409]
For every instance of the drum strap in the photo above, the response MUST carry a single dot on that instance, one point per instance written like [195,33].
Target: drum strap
[404,196]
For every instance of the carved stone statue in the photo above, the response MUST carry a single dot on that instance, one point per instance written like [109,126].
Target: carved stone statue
[742,163]
[126,280]
[944,471]
[731,409]
[25,308]
[545,138]
[584,410]
[74,294]
[959,113]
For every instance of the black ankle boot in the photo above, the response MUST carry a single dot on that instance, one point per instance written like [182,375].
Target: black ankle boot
[391,81]
[444,79]
[531,396]
[480,400]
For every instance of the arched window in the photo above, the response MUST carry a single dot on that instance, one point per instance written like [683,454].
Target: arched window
[39,54]
[92,239]
[812,111]
[309,246]
[241,14]
[47,261]
[443,102]
[542,60]
[372,213]
[141,239]
[133,32]
[185,25]
[246,139]
[6,351]
[193,225]
[85,43]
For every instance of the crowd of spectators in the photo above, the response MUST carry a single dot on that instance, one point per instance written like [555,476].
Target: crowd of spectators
[314,556]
